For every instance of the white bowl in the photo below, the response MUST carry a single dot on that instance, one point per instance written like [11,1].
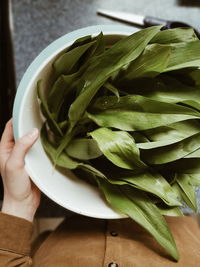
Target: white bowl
[68,191]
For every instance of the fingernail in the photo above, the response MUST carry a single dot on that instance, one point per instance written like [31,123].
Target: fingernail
[33,133]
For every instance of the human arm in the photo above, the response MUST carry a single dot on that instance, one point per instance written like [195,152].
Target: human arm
[21,199]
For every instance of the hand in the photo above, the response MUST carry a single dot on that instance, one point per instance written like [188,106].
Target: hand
[21,196]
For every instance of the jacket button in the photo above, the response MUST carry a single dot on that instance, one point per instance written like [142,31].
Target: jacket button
[114,234]
[112,264]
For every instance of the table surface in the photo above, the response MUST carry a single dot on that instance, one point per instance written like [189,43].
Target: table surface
[39,22]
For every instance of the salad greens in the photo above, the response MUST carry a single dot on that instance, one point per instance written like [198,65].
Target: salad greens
[127,117]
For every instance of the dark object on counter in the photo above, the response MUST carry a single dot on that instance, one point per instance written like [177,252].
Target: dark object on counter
[7,69]
[144,21]
[189,3]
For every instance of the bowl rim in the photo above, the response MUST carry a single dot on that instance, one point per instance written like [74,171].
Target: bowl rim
[34,69]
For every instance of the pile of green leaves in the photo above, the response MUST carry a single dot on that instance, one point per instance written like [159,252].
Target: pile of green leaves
[126,118]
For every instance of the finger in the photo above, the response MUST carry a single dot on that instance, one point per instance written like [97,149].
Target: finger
[7,135]
[6,144]
[22,145]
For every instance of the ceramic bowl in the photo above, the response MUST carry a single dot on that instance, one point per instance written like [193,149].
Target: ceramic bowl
[67,190]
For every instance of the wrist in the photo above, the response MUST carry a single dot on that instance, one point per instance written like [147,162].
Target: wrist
[18,209]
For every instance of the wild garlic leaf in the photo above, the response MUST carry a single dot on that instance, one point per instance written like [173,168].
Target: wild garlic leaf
[126,117]
[151,182]
[65,63]
[64,160]
[171,152]
[191,58]
[112,89]
[46,112]
[177,35]
[136,113]
[166,135]
[174,132]
[169,211]
[168,89]
[194,154]
[101,68]
[152,62]
[192,103]
[60,90]
[139,207]
[83,149]
[186,191]
[194,179]
[118,147]
[80,41]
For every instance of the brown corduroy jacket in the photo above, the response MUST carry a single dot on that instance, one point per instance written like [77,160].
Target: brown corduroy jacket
[85,242]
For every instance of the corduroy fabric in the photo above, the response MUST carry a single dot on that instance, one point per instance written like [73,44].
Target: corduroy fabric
[81,241]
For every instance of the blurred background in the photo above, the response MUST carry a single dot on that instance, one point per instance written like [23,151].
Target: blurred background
[28,26]
[39,22]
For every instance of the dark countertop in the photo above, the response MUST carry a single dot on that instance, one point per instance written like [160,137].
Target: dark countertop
[39,22]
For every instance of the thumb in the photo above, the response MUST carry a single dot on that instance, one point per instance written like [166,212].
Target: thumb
[22,146]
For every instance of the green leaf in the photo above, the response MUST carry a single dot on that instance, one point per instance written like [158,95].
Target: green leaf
[171,152]
[80,41]
[194,154]
[86,176]
[65,63]
[112,88]
[140,103]
[194,179]
[134,121]
[191,58]
[135,113]
[176,35]
[82,148]
[118,147]
[152,169]
[167,135]
[150,182]
[60,90]
[64,160]
[46,112]
[192,103]
[153,61]
[66,83]
[185,190]
[99,47]
[157,144]
[139,207]
[167,89]
[139,137]
[102,67]
[169,211]
[174,132]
